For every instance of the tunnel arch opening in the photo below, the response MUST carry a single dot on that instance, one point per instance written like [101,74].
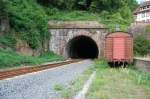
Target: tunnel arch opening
[82,47]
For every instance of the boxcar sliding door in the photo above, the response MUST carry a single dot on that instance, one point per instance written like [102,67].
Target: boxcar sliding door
[118,48]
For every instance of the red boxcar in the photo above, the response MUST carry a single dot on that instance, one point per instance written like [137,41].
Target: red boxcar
[119,47]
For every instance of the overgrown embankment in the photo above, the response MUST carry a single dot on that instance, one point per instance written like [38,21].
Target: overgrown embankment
[10,59]
[28,18]
[119,83]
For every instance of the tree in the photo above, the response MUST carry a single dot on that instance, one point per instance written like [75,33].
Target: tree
[61,4]
[126,13]
[99,5]
[3,9]
[132,4]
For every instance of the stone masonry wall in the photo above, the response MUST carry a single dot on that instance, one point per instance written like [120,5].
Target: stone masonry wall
[60,38]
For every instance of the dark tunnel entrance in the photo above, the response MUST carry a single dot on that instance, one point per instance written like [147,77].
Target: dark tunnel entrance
[82,47]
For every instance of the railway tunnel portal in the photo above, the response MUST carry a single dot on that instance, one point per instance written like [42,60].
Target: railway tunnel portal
[82,47]
[77,39]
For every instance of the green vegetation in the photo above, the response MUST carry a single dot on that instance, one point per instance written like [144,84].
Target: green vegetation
[111,13]
[141,46]
[95,5]
[122,83]
[8,40]
[10,59]
[142,42]
[148,29]
[58,87]
[29,18]
[3,9]
[74,15]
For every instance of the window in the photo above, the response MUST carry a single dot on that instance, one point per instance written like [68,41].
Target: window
[148,14]
[142,15]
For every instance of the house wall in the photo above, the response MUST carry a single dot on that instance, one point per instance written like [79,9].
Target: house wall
[143,16]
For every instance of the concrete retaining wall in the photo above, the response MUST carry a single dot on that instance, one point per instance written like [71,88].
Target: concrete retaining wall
[142,64]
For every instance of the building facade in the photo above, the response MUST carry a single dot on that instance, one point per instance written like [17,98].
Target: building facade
[142,13]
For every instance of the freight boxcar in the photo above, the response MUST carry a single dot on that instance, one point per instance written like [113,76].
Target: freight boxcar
[119,48]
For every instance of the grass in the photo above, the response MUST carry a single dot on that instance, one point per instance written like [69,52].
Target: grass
[74,15]
[121,83]
[58,87]
[10,59]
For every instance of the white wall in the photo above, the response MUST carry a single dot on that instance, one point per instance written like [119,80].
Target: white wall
[144,16]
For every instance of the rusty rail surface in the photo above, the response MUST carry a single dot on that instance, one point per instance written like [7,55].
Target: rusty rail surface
[25,70]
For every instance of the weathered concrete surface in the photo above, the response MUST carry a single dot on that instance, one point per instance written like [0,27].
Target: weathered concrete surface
[74,24]
[142,64]
[63,32]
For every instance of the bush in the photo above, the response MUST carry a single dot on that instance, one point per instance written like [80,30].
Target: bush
[141,45]
[8,40]
[3,9]
[61,4]
[30,21]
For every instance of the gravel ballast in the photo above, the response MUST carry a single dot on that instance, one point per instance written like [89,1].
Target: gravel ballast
[40,85]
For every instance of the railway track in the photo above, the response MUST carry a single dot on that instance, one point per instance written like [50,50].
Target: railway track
[25,70]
